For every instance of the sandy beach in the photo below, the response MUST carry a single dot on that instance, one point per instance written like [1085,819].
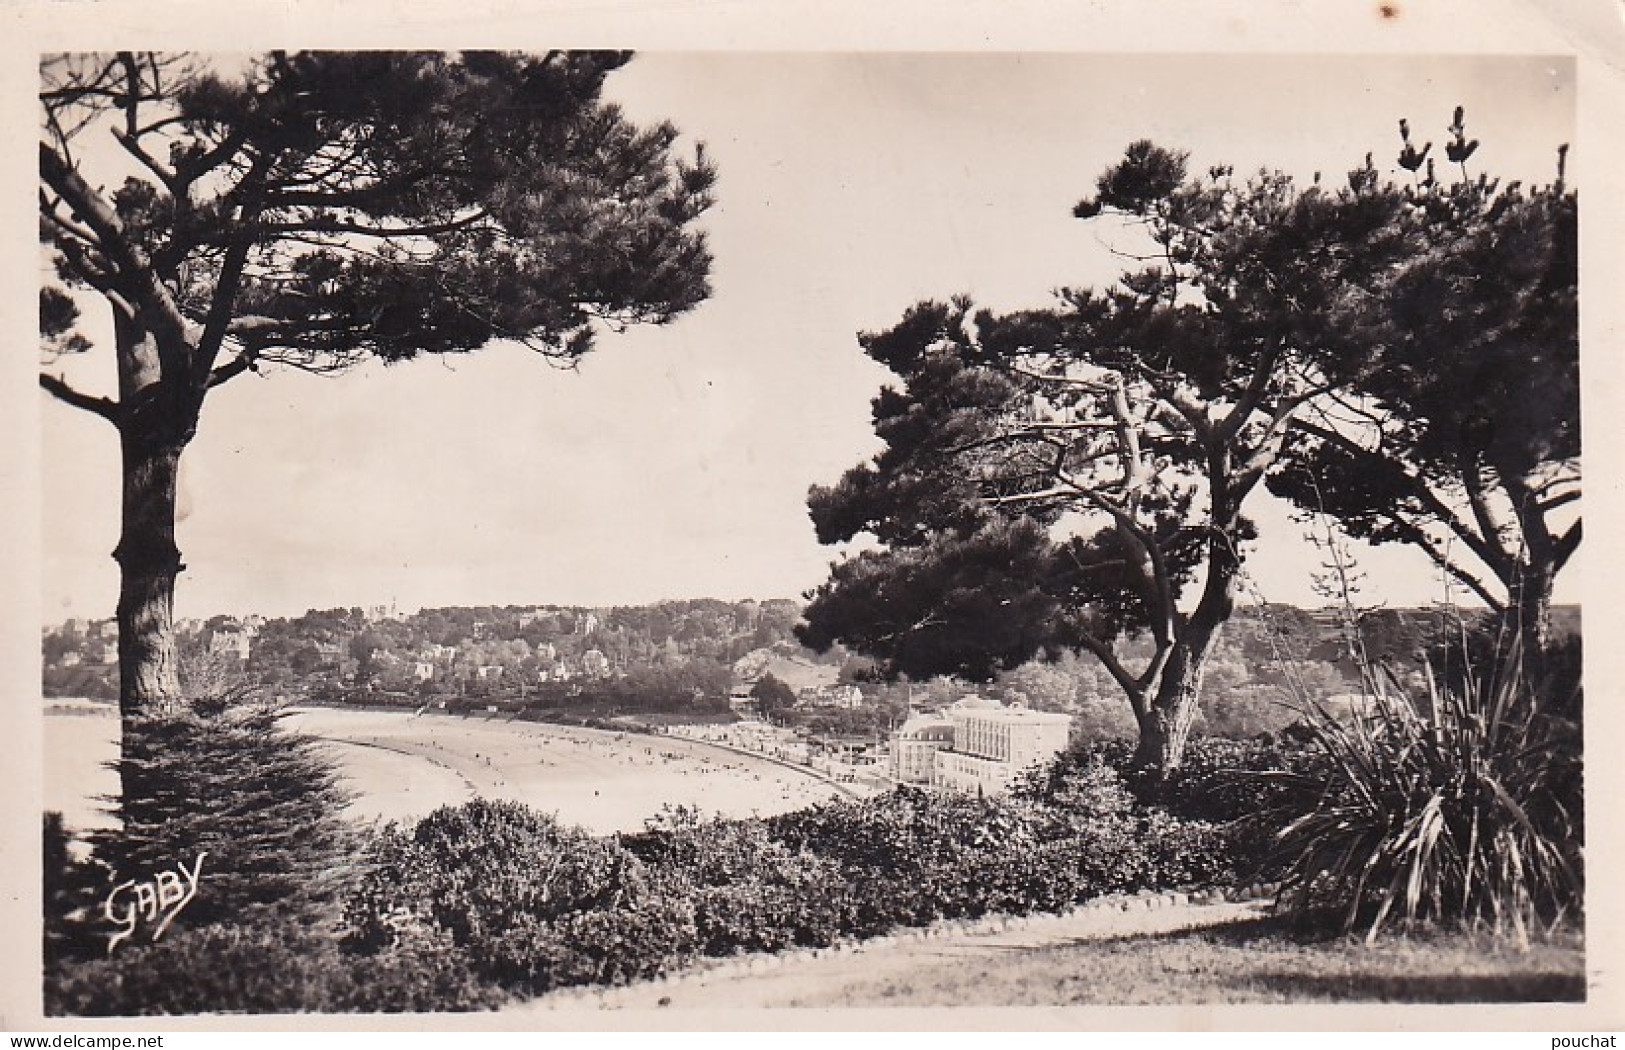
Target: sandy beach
[402,766]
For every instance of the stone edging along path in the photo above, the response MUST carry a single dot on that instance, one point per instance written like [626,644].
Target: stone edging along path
[758,979]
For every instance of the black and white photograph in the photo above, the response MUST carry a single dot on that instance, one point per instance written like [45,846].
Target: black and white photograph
[532,524]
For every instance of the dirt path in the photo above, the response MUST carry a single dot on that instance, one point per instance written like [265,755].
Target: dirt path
[840,977]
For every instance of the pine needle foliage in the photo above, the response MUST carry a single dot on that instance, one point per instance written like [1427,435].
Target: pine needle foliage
[263,802]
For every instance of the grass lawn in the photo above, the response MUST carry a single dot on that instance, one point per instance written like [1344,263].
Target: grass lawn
[1259,961]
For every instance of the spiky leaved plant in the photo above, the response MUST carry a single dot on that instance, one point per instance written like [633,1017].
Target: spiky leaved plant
[1463,809]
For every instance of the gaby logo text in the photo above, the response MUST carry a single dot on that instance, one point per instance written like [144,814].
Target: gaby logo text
[153,903]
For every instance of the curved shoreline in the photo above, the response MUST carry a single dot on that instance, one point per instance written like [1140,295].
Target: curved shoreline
[402,768]
[614,734]
[404,753]
[786,763]
[605,780]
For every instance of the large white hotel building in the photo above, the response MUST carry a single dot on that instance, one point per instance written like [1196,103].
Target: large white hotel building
[976,745]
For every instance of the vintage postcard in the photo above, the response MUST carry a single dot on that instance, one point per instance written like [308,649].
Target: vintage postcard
[938,517]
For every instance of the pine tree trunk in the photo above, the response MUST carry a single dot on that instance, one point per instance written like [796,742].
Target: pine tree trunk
[1532,579]
[149,680]
[1534,611]
[1168,720]
[158,416]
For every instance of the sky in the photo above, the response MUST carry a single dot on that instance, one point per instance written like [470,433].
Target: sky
[675,461]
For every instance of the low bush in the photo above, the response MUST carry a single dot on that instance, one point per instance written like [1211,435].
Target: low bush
[1194,853]
[749,892]
[1121,844]
[771,915]
[911,857]
[277,968]
[608,946]
[1218,780]
[534,905]
[73,887]
[1210,821]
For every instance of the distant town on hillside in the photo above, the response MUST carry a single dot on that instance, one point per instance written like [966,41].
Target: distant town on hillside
[712,659]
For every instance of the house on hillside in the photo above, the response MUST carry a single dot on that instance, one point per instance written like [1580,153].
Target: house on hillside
[595,664]
[230,642]
[742,703]
[843,697]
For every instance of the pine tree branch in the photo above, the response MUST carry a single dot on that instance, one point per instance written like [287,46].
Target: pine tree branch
[1565,547]
[99,406]
[1252,397]
[135,272]
[226,285]
[133,147]
[1133,685]
[191,170]
[72,255]
[63,227]
[1093,386]
[1414,486]
[1421,540]
[244,362]
[1500,558]
[329,225]
[1270,443]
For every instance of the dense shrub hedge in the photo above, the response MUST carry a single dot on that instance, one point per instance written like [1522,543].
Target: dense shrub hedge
[909,857]
[279,967]
[912,856]
[749,892]
[1212,820]
[534,905]
[73,888]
